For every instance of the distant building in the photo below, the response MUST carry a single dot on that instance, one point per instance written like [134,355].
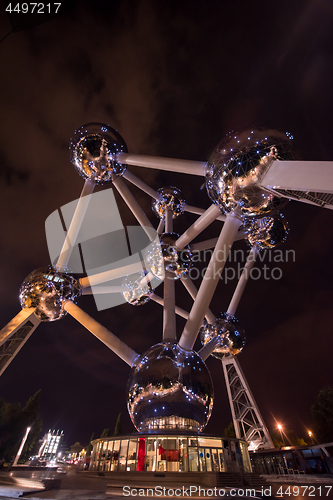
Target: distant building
[50,445]
[291,460]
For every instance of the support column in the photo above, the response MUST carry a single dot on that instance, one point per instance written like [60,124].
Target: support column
[199,225]
[248,422]
[109,339]
[161,163]
[242,281]
[112,274]
[140,184]
[15,334]
[178,310]
[209,281]
[208,348]
[75,225]
[192,290]
[134,206]
[169,313]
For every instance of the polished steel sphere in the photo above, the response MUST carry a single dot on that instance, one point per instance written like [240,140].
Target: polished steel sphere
[237,165]
[154,259]
[267,232]
[46,289]
[230,332]
[138,292]
[93,152]
[209,331]
[177,262]
[169,198]
[169,388]
[168,258]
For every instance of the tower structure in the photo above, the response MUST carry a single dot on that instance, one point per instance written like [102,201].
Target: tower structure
[246,416]
[169,385]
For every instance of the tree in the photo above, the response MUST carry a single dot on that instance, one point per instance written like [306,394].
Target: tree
[290,438]
[89,447]
[31,418]
[14,421]
[230,431]
[105,433]
[118,429]
[322,412]
[9,430]
[76,448]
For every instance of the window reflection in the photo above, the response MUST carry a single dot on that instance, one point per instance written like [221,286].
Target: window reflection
[115,455]
[123,454]
[131,455]
[156,453]
[151,454]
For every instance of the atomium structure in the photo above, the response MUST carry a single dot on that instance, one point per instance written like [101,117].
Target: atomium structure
[249,177]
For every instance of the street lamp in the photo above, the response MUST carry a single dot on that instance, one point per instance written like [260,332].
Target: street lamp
[281,432]
[311,436]
[21,446]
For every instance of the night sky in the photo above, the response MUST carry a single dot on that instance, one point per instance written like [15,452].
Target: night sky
[173,77]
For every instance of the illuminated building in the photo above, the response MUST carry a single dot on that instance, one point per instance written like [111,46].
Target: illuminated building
[50,446]
[170,453]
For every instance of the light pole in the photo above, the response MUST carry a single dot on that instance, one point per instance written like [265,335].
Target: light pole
[281,432]
[22,444]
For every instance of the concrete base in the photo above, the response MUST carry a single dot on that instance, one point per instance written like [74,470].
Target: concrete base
[207,479]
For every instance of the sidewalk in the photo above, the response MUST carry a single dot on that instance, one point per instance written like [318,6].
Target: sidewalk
[299,478]
[85,487]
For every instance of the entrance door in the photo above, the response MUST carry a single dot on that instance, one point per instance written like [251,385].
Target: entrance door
[215,460]
[208,455]
[202,460]
[193,459]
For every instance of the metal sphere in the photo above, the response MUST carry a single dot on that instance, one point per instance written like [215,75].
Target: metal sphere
[232,335]
[93,152]
[267,232]
[137,293]
[236,166]
[169,198]
[46,289]
[177,262]
[209,331]
[169,388]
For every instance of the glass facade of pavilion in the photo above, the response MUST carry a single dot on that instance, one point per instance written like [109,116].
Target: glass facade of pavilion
[170,453]
[294,460]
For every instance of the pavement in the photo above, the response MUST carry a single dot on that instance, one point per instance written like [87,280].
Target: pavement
[30,484]
[73,486]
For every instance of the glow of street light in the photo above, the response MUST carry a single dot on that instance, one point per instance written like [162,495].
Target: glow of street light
[310,433]
[21,446]
[279,427]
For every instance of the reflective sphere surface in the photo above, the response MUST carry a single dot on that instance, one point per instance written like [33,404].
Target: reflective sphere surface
[169,388]
[46,289]
[267,232]
[227,327]
[208,331]
[177,262]
[236,166]
[169,198]
[138,292]
[93,151]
